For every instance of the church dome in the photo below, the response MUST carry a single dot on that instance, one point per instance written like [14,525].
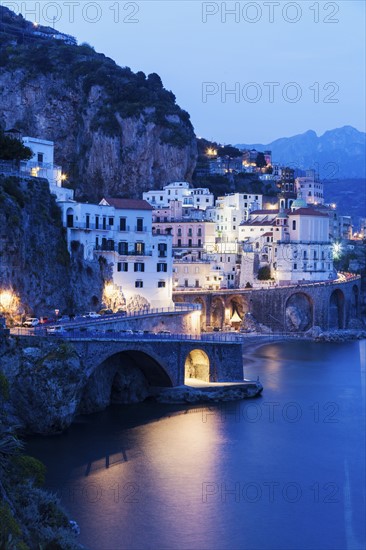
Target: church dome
[298,203]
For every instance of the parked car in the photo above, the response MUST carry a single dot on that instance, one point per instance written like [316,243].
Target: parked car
[166,332]
[106,312]
[58,329]
[31,322]
[92,315]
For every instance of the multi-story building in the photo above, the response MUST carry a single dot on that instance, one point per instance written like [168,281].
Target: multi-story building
[121,231]
[294,243]
[190,272]
[230,211]
[304,251]
[180,191]
[310,188]
[188,236]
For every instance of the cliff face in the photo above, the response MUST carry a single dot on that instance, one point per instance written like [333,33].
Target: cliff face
[115,132]
[34,260]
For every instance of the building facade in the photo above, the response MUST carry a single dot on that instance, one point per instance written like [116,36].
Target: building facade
[120,230]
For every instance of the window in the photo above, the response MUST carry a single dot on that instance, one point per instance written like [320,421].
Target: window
[179,243]
[139,284]
[186,282]
[140,248]
[196,269]
[122,266]
[96,222]
[104,222]
[199,243]
[179,232]
[190,232]
[295,266]
[40,158]
[123,248]
[162,248]
[197,283]
[140,224]
[161,284]
[161,267]
[87,221]
[294,224]
[111,221]
[199,232]
[189,242]
[122,224]
[139,266]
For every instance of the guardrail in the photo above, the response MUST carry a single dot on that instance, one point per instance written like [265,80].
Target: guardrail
[140,336]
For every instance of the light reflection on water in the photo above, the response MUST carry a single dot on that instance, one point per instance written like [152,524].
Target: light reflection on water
[282,471]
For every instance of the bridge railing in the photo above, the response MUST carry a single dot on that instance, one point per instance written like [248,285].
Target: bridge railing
[138,336]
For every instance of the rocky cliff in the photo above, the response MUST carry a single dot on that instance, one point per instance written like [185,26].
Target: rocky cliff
[115,132]
[34,261]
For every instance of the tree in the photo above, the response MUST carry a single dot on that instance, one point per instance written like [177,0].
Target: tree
[261,161]
[13,149]
[229,150]
[264,273]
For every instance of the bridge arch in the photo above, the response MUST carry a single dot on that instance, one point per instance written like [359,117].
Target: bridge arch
[236,304]
[197,366]
[336,309]
[124,376]
[299,312]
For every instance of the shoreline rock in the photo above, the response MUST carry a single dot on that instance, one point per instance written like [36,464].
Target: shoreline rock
[210,394]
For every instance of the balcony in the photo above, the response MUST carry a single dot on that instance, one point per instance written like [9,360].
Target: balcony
[123,253]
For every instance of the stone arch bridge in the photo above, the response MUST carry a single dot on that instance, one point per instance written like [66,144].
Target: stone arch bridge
[84,373]
[292,308]
[165,361]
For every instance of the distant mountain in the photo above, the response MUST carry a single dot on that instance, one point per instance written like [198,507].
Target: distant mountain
[337,154]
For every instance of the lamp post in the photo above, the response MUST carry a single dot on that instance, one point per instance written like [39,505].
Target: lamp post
[57,311]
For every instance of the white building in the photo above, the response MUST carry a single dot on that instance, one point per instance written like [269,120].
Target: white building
[121,231]
[180,191]
[230,211]
[293,243]
[303,252]
[41,165]
[310,188]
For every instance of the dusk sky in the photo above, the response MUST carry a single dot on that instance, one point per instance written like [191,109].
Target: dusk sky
[305,74]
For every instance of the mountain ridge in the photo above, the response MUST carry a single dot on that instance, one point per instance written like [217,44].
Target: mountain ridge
[336,154]
[116,132]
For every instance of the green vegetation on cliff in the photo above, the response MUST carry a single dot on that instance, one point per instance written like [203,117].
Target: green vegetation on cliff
[29,516]
[13,149]
[127,94]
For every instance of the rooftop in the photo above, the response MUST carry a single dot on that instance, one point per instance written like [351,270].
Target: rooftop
[128,204]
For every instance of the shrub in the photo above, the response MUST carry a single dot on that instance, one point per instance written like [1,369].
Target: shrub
[264,273]
[30,468]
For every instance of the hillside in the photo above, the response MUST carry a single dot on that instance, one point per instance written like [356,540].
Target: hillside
[337,154]
[34,261]
[115,132]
